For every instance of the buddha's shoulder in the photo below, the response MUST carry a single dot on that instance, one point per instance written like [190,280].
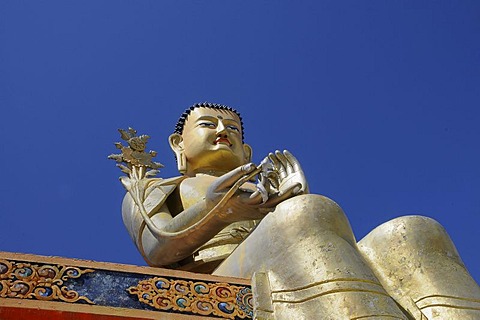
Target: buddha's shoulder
[156,193]
[162,182]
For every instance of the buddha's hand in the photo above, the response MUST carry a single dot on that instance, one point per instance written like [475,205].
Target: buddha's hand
[232,203]
[136,184]
[287,176]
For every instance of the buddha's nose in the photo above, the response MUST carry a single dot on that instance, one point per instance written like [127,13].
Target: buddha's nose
[221,129]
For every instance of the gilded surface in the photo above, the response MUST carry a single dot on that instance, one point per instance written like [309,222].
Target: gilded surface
[202,298]
[46,282]
[303,257]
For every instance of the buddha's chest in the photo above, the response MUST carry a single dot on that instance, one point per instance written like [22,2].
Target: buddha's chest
[193,190]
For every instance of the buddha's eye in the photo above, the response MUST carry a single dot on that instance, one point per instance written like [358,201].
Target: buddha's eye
[234,128]
[207,124]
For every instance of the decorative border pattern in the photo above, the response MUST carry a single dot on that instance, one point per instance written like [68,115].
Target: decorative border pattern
[41,282]
[203,298]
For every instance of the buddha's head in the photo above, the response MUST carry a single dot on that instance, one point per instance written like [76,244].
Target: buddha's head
[209,138]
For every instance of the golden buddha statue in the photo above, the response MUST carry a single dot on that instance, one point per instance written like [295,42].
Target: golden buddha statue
[298,248]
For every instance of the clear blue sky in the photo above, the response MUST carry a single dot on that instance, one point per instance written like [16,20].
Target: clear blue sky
[379,100]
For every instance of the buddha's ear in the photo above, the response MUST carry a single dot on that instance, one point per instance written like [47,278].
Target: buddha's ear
[248,152]
[176,143]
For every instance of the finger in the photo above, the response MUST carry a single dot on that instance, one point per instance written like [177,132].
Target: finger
[135,172]
[273,158]
[265,162]
[272,178]
[282,172]
[274,181]
[263,180]
[125,181]
[263,191]
[293,161]
[228,179]
[275,200]
[141,172]
[284,161]
[254,199]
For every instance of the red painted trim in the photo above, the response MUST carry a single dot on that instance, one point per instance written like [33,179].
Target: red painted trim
[12,313]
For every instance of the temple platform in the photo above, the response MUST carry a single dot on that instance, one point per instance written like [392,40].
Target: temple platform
[36,287]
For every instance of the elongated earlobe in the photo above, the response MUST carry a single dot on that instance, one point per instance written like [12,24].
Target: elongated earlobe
[176,143]
[181,162]
[248,152]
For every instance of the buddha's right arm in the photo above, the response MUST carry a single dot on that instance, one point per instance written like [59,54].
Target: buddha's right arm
[163,239]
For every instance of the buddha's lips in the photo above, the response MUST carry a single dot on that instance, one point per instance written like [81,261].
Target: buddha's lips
[222,140]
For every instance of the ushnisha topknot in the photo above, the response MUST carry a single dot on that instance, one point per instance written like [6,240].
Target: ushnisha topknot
[183,118]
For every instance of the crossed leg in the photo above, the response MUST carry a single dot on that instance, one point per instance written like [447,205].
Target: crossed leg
[419,266]
[305,264]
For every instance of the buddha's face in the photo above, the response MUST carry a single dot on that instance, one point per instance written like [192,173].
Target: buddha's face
[212,141]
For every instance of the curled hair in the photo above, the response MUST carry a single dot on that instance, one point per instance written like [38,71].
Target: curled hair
[183,118]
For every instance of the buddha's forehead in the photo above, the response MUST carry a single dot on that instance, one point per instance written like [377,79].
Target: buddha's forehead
[201,113]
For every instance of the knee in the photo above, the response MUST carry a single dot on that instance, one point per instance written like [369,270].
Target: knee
[417,233]
[311,207]
[314,212]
